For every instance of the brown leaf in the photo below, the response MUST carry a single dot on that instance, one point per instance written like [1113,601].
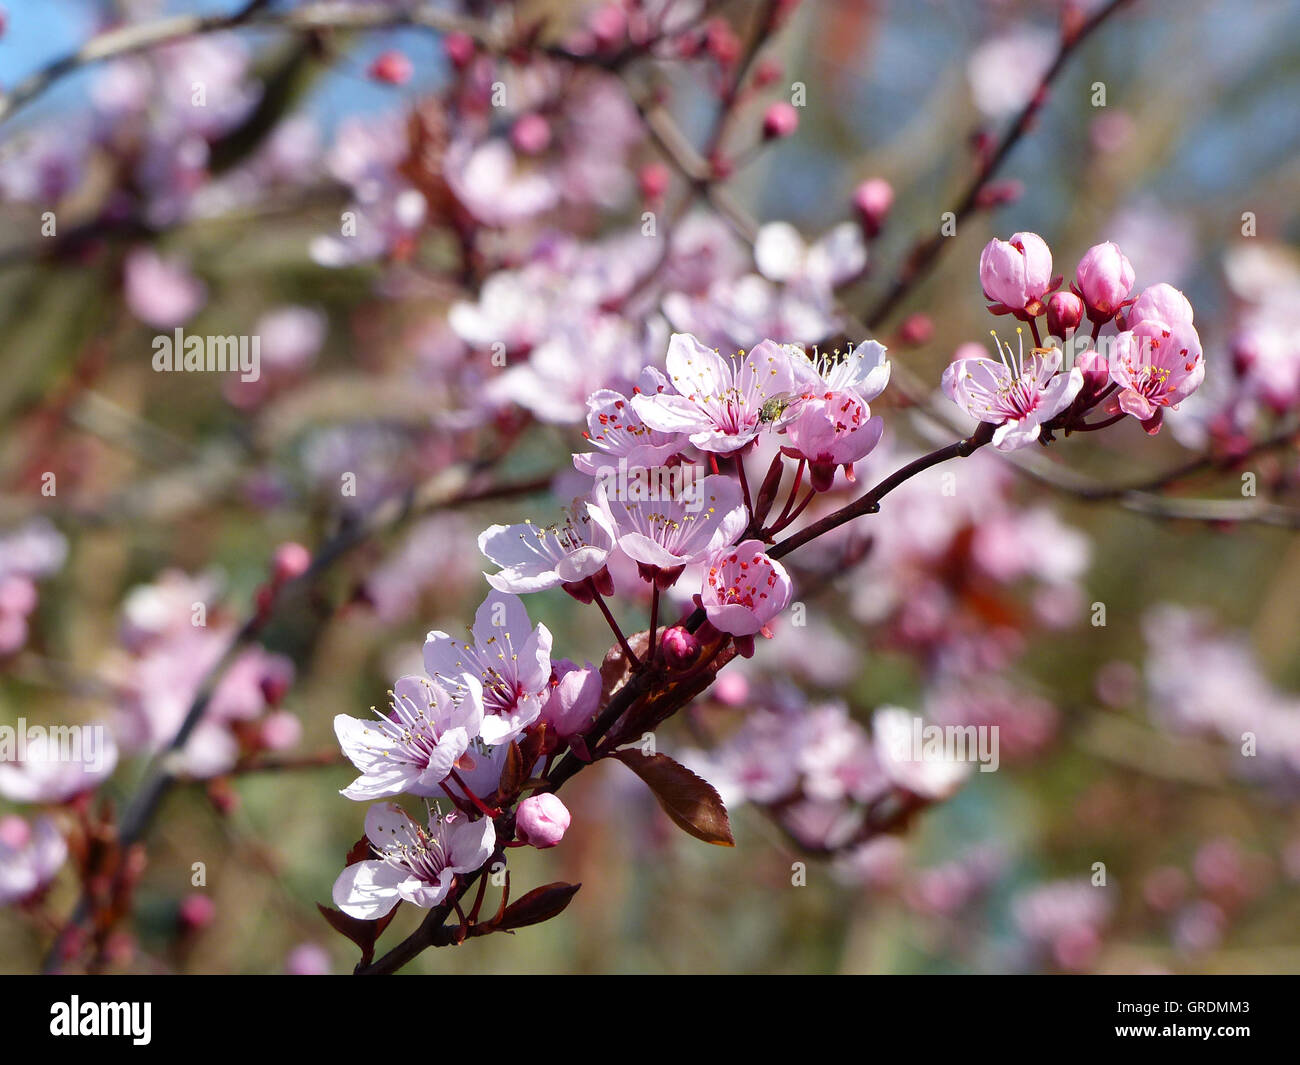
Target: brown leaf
[690,801]
[540,904]
[360,852]
[363,933]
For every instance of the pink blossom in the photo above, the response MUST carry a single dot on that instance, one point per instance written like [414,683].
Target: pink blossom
[161,292]
[614,428]
[536,557]
[29,857]
[1105,278]
[542,820]
[508,657]
[744,589]
[893,730]
[415,746]
[863,370]
[873,199]
[1018,395]
[413,864]
[830,430]
[574,700]
[51,774]
[1016,273]
[781,254]
[1160,303]
[308,959]
[719,401]
[680,646]
[667,534]
[1156,366]
[780,119]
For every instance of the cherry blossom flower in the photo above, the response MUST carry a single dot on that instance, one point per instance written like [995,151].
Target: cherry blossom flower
[416,745]
[614,428]
[1156,366]
[782,255]
[1018,395]
[1016,273]
[536,557]
[663,535]
[508,657]
[744,589]
[46,775]
[830,430]
[892,730]
[161,292]
[29,857]
[862,369]
[413,864]
[720,401]
[1160,303]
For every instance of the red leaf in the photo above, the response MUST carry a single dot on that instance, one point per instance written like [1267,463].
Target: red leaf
[363,933]
[540,904]
[690,801]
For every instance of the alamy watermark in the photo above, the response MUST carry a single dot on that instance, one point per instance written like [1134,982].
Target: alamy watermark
[85,745]
[210,354]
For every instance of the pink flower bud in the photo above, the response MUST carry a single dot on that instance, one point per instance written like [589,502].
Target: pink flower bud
[197,911]
[392,68]
[680,647]
[873,200]
[653,179]
[999,193]
[531,135]
[1064,312]
[781,120]
[542,820]
[1105,278]
[916,329]
[721,42]
[767,72]
[460,49]
[281,730]
[291,561]
[1017,272]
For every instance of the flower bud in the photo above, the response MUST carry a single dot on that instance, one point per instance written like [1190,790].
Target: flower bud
[653,180]
[915,330]
[197,911]
[1064,312]
[542,820]
[1016,273]
[1105,278]
[531,135]
[290,561]
[873,199]
[781,120]
[460,49]
[391,67]
[680,647]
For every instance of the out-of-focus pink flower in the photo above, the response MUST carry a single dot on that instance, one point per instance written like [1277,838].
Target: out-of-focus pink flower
[781,254]
[415,746]
[893,731]
[536,557]
[719,402]
[291,560]
[509,658]
[1105,278]
[50,773]
[834,429]
[281,730]
[308,959]
[197,911]
[744,589]
[863,370]
[1016,394]
[1004,71]
[531,134]
[1156,366]
[391,67]
[542,820]
[1017,273]
[29,857]
[780,120]
[873,199]
[415,865]
[161,292]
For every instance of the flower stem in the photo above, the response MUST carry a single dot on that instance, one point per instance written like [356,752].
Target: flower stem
[618,633]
